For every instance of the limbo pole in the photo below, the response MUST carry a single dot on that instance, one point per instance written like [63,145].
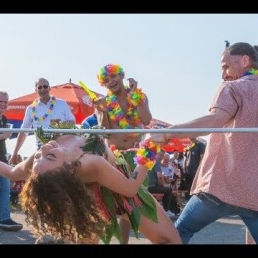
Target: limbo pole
[140,131]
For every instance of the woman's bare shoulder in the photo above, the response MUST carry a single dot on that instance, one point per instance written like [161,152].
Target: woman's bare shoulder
[91,166]
[90,161]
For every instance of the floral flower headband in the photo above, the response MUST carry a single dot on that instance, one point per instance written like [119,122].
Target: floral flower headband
[107,70]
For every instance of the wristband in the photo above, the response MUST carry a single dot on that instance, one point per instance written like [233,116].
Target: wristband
[146,154]
[136,97]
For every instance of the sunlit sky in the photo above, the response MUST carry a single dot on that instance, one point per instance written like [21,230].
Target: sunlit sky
[174,57]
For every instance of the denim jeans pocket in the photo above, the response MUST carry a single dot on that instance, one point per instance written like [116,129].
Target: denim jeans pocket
[211,199]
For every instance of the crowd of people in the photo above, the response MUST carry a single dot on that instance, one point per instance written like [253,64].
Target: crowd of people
[100,181]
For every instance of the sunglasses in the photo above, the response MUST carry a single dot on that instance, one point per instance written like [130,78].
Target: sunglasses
[43,86]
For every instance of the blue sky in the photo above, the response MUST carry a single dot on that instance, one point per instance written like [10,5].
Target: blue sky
[174,57]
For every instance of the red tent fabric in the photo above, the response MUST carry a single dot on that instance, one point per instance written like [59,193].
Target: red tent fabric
[176,144]
[76,97]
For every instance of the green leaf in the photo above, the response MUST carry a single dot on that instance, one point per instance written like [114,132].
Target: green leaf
[149,208]
[113,229]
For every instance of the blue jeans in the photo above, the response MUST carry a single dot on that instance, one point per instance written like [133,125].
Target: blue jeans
[4,198]
[203,209]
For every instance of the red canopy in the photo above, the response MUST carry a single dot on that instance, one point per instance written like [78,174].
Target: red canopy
[176,144]
[76,97]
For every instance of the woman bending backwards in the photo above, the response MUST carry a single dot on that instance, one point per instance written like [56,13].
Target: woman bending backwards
[76,187]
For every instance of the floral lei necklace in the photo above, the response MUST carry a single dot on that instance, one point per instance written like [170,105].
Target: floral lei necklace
[251,72]
[49,112]
[116,113]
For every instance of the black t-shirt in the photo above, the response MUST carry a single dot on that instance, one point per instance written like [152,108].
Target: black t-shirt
[193,157]
[152,174]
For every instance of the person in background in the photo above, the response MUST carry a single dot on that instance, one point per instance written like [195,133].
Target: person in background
[177,160]
[224,185]
[124,107]
[174,155]
[43,110]
[193,156]
[16,187]
[178,196]
[170,173]
[89,121]
[6,223]
[157,183]
[166,168]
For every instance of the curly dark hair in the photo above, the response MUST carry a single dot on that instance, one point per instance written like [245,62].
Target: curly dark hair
[57,202]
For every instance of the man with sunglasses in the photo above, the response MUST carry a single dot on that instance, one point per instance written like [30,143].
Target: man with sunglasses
[40,113]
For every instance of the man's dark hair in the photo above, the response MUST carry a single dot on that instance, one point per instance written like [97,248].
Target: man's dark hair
[243,48]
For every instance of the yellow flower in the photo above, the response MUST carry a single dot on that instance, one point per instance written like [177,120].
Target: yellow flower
[189,147]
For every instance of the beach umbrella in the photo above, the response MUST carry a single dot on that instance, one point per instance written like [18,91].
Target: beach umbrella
[76,97]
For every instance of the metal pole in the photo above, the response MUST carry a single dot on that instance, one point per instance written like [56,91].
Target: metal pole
[140,131]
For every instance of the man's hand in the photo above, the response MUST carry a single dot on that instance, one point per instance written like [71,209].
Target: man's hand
[157,138]
[14,159]
[7,135]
